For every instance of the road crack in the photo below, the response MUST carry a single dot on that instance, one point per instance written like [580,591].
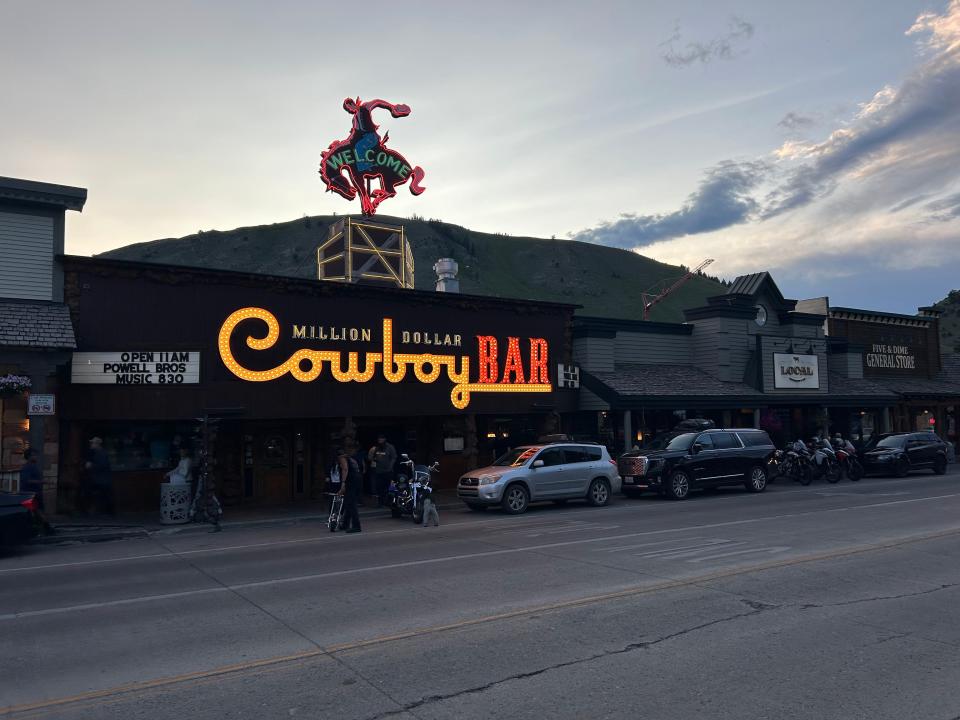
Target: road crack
[878,598]
[631,647]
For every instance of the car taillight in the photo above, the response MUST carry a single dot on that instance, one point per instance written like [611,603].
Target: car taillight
[31,504]
[613,462]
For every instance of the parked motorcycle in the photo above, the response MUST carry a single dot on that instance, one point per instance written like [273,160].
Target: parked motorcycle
[824,460]
[776,465]
[847,459]
[406,494]
[797,463]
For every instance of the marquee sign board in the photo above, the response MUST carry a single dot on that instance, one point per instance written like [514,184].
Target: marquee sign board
[796,371]
[174,367]
[353,166]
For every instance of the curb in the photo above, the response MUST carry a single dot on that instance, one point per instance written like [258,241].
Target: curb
[67,533]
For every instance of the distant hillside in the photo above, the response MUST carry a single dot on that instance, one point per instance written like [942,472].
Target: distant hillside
[950,322]
[605,281]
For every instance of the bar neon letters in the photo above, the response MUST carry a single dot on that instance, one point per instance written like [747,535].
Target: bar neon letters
[307,365]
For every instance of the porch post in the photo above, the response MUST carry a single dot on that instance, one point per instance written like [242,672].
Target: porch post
[627,430]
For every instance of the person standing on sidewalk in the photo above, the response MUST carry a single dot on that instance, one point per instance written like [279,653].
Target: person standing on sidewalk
[350,487]
[382,457]
[100,480]
[31,479]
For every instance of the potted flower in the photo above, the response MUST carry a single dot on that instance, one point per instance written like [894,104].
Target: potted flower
[13,385]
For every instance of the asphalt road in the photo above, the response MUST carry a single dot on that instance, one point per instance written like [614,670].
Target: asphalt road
[832,601]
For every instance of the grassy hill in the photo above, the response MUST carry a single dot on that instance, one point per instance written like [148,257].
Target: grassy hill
[950,322]
[605,281]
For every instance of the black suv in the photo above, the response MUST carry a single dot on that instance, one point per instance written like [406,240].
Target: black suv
[899,453]
[683,461]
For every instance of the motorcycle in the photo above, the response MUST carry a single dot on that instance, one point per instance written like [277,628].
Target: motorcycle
[849,463]
[406,494]
[776,466]
[824,460]
[796,463]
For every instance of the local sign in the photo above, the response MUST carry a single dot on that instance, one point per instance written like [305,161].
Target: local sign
[796,371]
[362,164]
[137,367]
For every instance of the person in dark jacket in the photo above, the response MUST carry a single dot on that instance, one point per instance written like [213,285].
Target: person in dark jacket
[31,477]
[100,482]
[31,480]
[350,488]
[382,457]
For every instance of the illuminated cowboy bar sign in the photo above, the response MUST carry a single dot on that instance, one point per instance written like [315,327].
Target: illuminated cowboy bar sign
[522,368]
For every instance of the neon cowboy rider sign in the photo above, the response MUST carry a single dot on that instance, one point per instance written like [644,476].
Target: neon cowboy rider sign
[362,164]
[471,364]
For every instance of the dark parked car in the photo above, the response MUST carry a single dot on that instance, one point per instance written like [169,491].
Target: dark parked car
[683,461]
[18,517]
[899,453]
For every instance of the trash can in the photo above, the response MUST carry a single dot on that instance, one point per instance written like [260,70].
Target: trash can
[174,503]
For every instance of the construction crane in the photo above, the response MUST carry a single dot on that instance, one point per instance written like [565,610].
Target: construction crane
[655,294]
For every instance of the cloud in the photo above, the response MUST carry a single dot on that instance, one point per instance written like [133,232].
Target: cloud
[945,209]
[724,47]
[885,182]
[796,121]
[723,199]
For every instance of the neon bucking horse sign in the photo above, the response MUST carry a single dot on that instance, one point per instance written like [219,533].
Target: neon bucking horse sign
[351,167]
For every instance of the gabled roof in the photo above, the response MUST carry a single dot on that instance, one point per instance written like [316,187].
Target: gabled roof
[755,283]
[28,325]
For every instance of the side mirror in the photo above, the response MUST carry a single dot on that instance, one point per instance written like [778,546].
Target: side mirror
[537,464]
[697,447]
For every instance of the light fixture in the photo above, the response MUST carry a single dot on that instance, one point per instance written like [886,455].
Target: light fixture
[639,436]
[491,436]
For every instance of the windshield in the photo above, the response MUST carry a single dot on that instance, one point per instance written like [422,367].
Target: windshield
[895,441]
[515,457]
[683,441]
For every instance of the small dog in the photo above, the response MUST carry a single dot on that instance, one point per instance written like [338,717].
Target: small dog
[430,513]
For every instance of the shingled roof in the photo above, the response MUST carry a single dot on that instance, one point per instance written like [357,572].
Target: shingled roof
[670,380]
[36,325]
[920,387]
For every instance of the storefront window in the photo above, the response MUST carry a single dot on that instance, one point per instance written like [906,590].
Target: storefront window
[143,446]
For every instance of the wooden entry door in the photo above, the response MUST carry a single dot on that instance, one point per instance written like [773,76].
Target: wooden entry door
[273,466]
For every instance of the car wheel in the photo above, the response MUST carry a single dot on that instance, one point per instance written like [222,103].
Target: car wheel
[757,480]
[678,486]
[599,492]
[902,468]
[515,499]
[476,508]
[940,465]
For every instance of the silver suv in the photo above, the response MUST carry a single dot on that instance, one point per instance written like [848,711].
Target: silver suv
[557,471]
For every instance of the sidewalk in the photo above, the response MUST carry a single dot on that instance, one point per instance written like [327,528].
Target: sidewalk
[102,528]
